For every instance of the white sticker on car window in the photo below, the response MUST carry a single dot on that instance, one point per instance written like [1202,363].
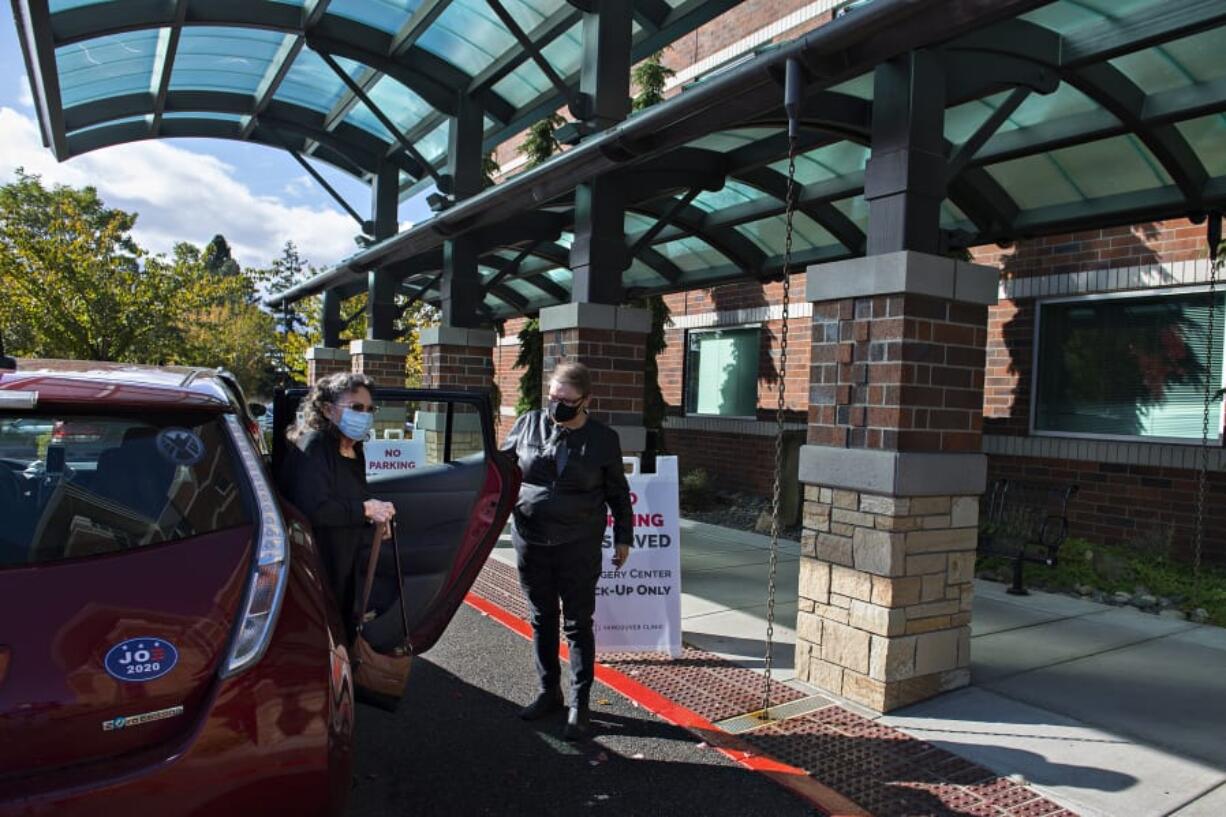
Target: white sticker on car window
[180,446]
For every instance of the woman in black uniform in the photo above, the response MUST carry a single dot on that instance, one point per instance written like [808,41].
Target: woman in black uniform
[327,480]
[573,479]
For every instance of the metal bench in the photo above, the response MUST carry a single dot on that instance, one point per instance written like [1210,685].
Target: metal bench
[1025,521]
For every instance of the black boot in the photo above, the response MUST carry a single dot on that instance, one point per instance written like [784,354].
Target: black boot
[545,703]
[578,723]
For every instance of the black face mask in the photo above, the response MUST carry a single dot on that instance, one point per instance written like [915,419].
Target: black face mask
[559,412]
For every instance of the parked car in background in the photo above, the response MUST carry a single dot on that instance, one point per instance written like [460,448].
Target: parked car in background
[178,652]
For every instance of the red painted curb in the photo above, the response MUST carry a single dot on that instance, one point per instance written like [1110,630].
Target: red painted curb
[794,779]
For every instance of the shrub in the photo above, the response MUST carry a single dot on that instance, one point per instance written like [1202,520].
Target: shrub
[696,491]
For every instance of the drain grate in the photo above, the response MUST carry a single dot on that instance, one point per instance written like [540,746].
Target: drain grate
[753,720]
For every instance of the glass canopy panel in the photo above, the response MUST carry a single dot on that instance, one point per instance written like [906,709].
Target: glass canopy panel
[860,87]
[856,209]
[468,35]
[210,115]
[828,162]
[398,103]
[692,254]
[1087,171]
[144,119]
[64,5]
[312,84]
[434,144]
[107,66]
[769,234]
[730,140]
[952,215]
[385,15]
[641,275]
[732,194]
[527,82]
[1065,16]
[230,59]
[1177,64]
[1207,136]
[637,223]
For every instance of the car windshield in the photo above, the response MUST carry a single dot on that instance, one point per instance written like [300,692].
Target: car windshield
[83,485]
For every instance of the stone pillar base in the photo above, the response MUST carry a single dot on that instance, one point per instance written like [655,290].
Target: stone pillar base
[325,360]
[885,595]
[612,342]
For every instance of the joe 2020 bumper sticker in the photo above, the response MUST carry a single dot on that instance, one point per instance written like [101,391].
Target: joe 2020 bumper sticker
[141,659]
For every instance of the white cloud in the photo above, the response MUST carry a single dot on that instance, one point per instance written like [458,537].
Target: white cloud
[24,95]
[298,186]
[181,195]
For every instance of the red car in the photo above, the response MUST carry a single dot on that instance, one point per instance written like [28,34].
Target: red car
[168,645]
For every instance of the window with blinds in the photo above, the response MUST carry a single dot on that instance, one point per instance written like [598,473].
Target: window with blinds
[1130,366]
[722,372]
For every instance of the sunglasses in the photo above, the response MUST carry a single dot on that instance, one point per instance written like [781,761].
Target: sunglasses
[361,408]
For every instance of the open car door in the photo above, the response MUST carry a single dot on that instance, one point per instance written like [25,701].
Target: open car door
[434,455]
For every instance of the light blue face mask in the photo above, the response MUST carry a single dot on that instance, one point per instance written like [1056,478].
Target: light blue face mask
[356,424]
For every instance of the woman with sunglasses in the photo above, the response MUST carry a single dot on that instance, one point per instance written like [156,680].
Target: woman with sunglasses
[327,481]
[573,480]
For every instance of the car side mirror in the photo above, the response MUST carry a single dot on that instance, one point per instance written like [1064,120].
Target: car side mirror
[257,409]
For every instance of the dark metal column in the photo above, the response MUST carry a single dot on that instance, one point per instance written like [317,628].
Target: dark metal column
[904,183]
[381,283]
[598,256]
[331,322]
[461,285]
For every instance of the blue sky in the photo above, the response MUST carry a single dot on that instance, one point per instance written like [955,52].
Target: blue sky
[191,189]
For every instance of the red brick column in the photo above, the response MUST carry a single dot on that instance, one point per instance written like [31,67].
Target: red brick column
[325,360]
[382,360]
[461,359]
[612,342]
[893,474]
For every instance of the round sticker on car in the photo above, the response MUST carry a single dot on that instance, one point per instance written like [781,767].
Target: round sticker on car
[141,659]
[180,446]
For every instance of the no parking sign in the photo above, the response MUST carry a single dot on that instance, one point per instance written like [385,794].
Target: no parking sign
[638,608]
[397,457]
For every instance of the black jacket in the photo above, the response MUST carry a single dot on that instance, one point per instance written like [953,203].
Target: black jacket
[570,508]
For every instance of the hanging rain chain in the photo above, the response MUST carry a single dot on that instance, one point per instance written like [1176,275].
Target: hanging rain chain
[792,99]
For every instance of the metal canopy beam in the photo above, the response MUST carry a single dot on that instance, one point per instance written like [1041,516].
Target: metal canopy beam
[166,55]
[824,213]
[1162,22]
[38,51]
[431,77]
[1109,87]
[384,120]
[735,247]
[530,48]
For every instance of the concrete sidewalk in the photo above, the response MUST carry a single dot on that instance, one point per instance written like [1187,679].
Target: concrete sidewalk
[1107,711]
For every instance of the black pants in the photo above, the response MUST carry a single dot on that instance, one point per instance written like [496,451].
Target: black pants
[566,573]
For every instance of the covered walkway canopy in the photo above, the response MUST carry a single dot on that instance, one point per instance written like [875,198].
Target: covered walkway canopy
[356,83]
[1056,116]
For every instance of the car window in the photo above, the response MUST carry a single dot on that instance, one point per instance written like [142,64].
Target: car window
[82,485]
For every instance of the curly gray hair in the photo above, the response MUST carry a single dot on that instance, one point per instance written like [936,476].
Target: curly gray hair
[327,390]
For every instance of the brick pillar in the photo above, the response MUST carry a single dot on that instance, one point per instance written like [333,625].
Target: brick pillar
[892,475]
[323,361]
[382,361]
[460,359]
[612,342]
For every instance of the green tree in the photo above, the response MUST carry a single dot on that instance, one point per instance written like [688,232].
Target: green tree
[218,259]
[650,76]
[540,143]
[78,286]
[531,360]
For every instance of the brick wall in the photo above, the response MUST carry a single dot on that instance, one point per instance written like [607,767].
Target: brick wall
[615,359]
[385,370]
[742,462]
[897,372]
[459,367]
[1147,507]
